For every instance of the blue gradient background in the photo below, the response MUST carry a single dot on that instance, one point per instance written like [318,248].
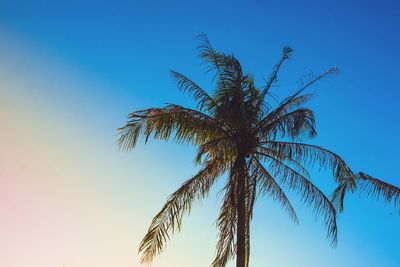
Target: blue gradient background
[70,72]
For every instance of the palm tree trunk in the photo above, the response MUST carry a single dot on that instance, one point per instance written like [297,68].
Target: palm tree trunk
[248,241]
[249,214]
[241,214]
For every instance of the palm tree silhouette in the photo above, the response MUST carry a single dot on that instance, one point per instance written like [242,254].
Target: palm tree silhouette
[238,132]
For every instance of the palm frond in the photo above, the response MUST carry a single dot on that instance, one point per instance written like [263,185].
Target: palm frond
[269,186]
[371,186]
[264,153]
[315,79]
[187,125]
[187,85]
[226,223]
[260,101]
[286,54]
[337,197]
[309,154]
[223,148]
[169,218]
[211,57]
[284,108]
[295,125]
[228,71]
[295,99]
[377,188]
[309,194]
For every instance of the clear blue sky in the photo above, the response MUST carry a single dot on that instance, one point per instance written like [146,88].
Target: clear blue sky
[129,46]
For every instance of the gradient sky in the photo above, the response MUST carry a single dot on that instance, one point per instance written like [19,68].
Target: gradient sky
[70,72]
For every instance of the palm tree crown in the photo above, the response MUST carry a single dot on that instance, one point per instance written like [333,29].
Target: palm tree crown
[259,147]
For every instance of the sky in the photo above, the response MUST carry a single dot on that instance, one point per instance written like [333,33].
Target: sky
[71,71]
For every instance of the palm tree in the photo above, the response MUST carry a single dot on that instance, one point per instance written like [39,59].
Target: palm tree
[257,147]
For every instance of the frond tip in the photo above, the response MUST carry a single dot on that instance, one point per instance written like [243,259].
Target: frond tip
[366,184]
[377,188]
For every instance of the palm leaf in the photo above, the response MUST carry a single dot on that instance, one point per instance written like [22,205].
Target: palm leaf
[284,108]
[226,223]
[169,219]
[199,95]
[186,124]
[377,188]
[309,194]
[269,186]
[337,197]
[265,153]
[315,79]
[295,124]
[309,154]
[223,147]
[286,54]
[228,71]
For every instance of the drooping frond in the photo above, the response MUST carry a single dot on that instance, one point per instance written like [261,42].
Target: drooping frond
[268,185]
[226,223]
[337,197]
[187,85]
[377,188]
[169,218]
[309,154]
[295,125]
[309,194]
[371,186]
[264,153]
[186,124]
